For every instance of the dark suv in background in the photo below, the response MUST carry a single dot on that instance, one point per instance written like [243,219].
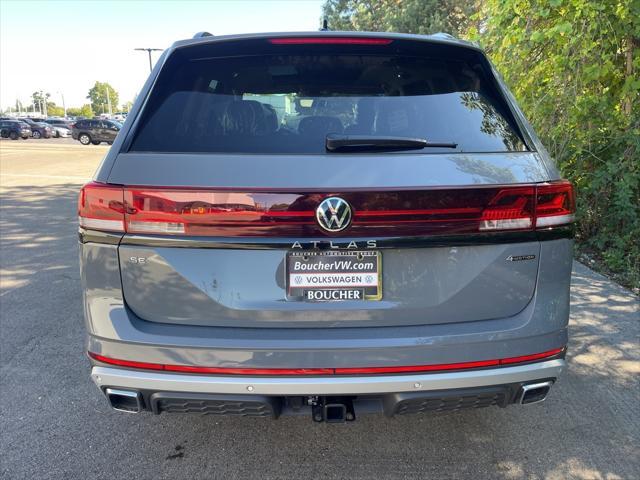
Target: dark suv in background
[14,129]
[95,131]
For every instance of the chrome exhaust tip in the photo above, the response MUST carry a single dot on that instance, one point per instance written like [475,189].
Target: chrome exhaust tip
[128,401]
[534,392]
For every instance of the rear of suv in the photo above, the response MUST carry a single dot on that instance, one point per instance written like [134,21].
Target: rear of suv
[14,129]
[325,223]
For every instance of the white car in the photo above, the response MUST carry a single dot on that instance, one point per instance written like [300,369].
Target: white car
[59,131]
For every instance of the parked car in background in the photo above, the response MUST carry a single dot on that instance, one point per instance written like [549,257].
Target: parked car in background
[60,131]
[38,129]
[59,121]
[14,129]
[60,127]
[119,116]
[95,131]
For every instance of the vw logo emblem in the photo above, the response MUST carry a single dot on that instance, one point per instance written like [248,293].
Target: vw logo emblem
[334,214]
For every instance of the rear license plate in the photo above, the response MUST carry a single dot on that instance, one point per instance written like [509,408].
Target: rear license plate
[324,276]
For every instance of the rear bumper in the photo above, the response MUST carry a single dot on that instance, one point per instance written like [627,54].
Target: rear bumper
[110,377]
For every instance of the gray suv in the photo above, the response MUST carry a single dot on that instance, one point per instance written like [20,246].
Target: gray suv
[325,223]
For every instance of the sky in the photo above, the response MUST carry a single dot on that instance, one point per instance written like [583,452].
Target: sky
[63,47]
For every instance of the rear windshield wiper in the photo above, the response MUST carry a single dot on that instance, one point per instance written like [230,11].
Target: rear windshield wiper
[335,143]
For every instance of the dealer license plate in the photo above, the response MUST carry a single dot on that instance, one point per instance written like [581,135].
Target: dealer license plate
[328,276]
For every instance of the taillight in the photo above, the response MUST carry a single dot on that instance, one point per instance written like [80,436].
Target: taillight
[509,209]
[101,207]
[428,212]
[555,204]
[330,41]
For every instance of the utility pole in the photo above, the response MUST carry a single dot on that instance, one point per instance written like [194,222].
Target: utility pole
[44,103]
[108,100]
[64,107]
[149,50]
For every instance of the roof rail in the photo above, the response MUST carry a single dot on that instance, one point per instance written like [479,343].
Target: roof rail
[202,35]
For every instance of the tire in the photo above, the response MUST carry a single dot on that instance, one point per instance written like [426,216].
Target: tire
[36,134]
[57,134]
[4,134]
[13,135]
[84,139]
[95,142]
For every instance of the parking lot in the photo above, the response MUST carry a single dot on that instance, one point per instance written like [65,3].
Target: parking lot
[55,424]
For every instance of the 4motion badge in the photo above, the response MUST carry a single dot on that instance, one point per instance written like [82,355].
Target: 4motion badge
[520,258]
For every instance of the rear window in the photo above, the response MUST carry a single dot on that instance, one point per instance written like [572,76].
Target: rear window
[287,99]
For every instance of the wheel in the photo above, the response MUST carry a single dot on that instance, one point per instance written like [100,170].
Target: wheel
[13,135]
[84,138]
[95,142]
[57,134]
[36,134]
[4,133]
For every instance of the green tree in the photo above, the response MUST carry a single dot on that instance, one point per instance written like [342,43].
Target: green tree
[39,98]
[84,111]
[573,66]
[100,100]
[53,110]
[407,16]
[126,106]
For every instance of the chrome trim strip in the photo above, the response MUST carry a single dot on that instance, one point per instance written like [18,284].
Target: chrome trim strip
[281,243]
[328,385]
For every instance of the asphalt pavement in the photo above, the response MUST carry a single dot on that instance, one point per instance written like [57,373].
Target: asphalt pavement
[55,424]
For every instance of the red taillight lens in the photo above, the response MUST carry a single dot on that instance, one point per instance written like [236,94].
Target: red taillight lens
[510,209]
[555,204]
[101,207]
[214,213]
[435,211]
[330,41]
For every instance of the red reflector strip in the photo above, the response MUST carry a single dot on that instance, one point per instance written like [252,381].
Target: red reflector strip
[330,41]
[529,358]
[216,370]
[326,371]
[417,368]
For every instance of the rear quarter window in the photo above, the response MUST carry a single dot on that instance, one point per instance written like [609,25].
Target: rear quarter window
[287,99]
